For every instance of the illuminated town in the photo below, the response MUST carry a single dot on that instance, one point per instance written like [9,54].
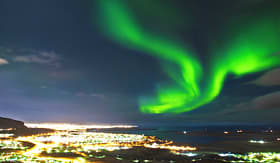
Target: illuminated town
[74,144]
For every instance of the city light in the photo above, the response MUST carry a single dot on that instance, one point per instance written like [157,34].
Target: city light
[80,144]
[7,129]
[259,157]
[257,141]
[68,126]
[6,135]
[239,131]
[74,144]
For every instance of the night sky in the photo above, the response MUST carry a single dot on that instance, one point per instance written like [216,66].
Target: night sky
[57,63]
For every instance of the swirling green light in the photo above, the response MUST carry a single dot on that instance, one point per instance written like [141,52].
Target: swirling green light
[250,48]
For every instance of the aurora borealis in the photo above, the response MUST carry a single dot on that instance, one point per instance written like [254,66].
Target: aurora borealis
[246,45]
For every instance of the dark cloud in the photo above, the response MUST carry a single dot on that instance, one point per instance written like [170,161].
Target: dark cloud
[269,101]
[259,109]
[29,56]
[270,78]
[40,57]
[3,61]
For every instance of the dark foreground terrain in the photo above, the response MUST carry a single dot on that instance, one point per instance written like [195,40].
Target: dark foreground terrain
[18,128]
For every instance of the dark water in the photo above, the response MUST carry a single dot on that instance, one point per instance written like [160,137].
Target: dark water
[176,133]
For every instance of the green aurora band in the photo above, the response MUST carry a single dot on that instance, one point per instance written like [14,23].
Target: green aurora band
[250,48]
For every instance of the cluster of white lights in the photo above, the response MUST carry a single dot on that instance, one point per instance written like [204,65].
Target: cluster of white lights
[267,157]
[80,143]
[189,154]
[9,144]
[6,135]
[7,129]
[90,138]
[257,141]
[67,126]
